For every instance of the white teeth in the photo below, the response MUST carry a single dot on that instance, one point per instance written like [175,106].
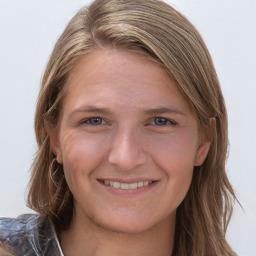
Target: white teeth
[126,186]
[117,184]
[140,184]
[145,183]
[133,185]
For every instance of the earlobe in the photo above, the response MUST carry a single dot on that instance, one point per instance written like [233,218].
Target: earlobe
[205,144]
[54,142]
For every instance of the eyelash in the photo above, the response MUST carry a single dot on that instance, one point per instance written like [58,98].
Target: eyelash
[156,120]
[166,121]
[89,121]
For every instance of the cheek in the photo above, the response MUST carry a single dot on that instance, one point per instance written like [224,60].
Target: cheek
[81,154]
[175,155]
[175,151]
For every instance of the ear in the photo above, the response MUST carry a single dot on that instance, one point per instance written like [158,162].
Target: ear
[204,144]
[54,142]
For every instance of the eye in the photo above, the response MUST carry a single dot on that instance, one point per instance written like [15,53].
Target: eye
[94,121]
[161,121]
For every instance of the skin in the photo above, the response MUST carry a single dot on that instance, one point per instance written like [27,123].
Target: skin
[123,119]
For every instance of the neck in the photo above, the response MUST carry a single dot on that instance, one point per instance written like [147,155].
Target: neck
[87,238]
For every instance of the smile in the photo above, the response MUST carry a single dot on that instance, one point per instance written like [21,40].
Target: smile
[126,186]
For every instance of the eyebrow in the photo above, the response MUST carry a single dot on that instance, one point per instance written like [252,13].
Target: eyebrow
[92,109]
[164,110]
[106,111]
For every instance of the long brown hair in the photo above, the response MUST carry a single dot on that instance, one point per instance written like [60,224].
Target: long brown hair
[153,28]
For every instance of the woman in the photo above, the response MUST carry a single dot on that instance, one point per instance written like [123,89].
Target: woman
[132,139]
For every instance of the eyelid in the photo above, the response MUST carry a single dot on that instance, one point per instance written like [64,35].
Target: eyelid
[170,121]
[151,121]
[86,120]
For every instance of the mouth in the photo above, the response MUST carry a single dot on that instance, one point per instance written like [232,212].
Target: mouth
[127,186]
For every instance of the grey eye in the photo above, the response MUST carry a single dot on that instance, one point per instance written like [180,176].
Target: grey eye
[160,121]
[95,121]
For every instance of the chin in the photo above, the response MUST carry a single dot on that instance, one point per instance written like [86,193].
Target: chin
[125,224]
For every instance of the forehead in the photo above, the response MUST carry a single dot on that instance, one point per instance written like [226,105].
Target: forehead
[104,62]
[121,76]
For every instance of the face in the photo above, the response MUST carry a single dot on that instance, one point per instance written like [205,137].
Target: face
[127,140]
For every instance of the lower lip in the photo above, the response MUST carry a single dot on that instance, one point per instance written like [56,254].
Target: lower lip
[127,192]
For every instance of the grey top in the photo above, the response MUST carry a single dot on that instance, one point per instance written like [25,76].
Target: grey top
[28,235]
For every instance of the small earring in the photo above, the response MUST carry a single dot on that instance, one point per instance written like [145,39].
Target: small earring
[52,171]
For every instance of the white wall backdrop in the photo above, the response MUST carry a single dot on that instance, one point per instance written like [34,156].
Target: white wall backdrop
[28,31]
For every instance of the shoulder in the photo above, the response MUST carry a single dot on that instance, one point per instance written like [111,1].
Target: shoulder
[18,225]
[29,234]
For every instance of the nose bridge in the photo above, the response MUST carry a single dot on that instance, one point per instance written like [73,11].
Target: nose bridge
[127,148]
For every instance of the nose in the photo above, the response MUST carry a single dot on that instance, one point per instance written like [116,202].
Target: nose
[127,149]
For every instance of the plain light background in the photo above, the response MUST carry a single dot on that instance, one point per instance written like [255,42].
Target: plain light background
[28,31]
